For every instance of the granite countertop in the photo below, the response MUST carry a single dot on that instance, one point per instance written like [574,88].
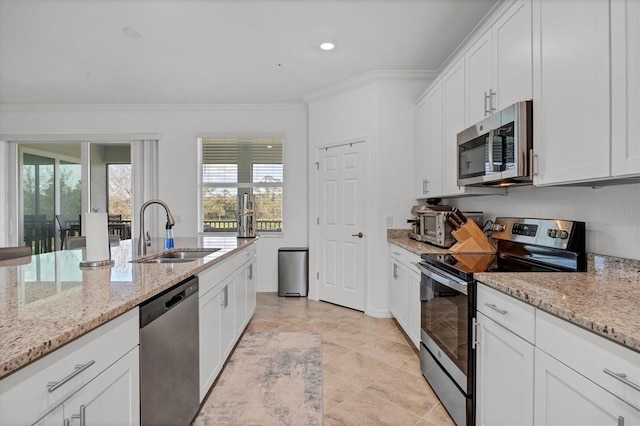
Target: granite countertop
[604,304]
[48,300]
[400,237]
[605,299]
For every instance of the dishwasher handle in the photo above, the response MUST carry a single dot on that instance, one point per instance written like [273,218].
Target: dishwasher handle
[175,300]
[167,300]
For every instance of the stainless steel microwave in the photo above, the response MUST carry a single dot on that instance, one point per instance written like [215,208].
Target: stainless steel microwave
[498,151]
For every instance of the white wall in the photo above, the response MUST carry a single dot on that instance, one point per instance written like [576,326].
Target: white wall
[611,213]
[178,127]
[382,113]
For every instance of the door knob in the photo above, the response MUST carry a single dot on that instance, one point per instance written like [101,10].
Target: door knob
[359,235]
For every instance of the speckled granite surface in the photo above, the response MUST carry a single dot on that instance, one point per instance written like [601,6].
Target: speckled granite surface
[607,306]
[48,300]
[605,299]
[400,237]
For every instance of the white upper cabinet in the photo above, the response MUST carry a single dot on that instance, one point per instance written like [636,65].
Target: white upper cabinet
[453,123]
[479,66]
[428,159]
[571,82]
[625,86]
[499,64]
[512,47]
[420,153]
[434,145]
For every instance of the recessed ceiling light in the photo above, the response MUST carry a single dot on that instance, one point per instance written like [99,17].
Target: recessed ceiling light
[131,32]
[328,45]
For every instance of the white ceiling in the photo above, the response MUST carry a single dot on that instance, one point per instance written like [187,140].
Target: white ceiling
[216,51]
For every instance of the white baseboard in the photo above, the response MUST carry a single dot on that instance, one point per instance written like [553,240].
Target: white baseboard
[378,313]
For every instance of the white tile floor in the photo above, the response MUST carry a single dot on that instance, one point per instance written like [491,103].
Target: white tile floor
[371,373]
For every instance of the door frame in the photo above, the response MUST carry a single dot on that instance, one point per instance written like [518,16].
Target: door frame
[314,213]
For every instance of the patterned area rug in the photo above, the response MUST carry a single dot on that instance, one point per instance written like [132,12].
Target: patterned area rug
[271,379]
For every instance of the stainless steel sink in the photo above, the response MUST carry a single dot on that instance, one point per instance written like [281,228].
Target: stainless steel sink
[179,256]
[168,260]
[188,254]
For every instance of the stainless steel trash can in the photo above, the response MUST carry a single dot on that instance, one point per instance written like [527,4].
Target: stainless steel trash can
[293,271]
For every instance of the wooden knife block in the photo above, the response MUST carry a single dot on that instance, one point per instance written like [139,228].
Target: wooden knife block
[471,239]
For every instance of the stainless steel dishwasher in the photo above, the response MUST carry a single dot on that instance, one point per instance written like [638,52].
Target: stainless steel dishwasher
[169,363]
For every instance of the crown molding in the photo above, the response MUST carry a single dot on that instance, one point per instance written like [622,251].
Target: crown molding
[371,77]
[150,107]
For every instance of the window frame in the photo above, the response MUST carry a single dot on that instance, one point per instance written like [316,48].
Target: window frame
[236,185]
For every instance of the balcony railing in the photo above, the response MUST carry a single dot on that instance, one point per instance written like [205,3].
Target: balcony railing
[232,225]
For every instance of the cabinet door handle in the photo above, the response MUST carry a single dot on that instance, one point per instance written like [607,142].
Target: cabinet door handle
[620,421]
[66,422]
[250,272]
[395,271]
[623,378]
[474,333]
[495,308]
[52,386]
[80,416]
[486,98]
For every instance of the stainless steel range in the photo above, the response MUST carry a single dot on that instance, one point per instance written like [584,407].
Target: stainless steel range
[448,303]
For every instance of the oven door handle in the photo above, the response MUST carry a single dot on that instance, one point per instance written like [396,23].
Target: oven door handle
[462,288]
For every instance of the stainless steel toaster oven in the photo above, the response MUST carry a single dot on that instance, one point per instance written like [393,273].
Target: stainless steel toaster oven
[429,225]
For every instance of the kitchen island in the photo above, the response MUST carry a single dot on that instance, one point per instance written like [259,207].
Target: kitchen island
[47,300]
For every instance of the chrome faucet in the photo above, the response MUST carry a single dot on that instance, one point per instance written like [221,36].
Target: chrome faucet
[144,241]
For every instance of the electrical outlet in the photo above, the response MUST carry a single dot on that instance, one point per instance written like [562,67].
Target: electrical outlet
[389,221]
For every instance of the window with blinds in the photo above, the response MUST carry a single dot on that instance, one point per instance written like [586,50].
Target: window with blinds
[234,166]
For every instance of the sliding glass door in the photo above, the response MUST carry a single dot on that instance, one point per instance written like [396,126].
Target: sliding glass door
[52,190]
[53,179]
[38,195]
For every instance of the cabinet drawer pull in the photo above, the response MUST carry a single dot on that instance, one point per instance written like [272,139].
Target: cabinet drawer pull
[623,378]
[495,308]
[52,386]
[620,421]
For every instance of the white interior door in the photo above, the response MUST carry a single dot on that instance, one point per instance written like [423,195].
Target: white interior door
[341,221]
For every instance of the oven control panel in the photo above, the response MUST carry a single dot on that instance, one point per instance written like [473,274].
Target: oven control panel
[526,229]
[543,232]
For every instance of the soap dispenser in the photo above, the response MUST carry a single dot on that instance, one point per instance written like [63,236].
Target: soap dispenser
[168,238]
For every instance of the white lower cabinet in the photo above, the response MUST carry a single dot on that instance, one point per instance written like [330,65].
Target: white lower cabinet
[96,376]
[413,325]
[112,398]
[565,397]
[227,301]
[504,379]
[209,326]
[404,291]
[535,368]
